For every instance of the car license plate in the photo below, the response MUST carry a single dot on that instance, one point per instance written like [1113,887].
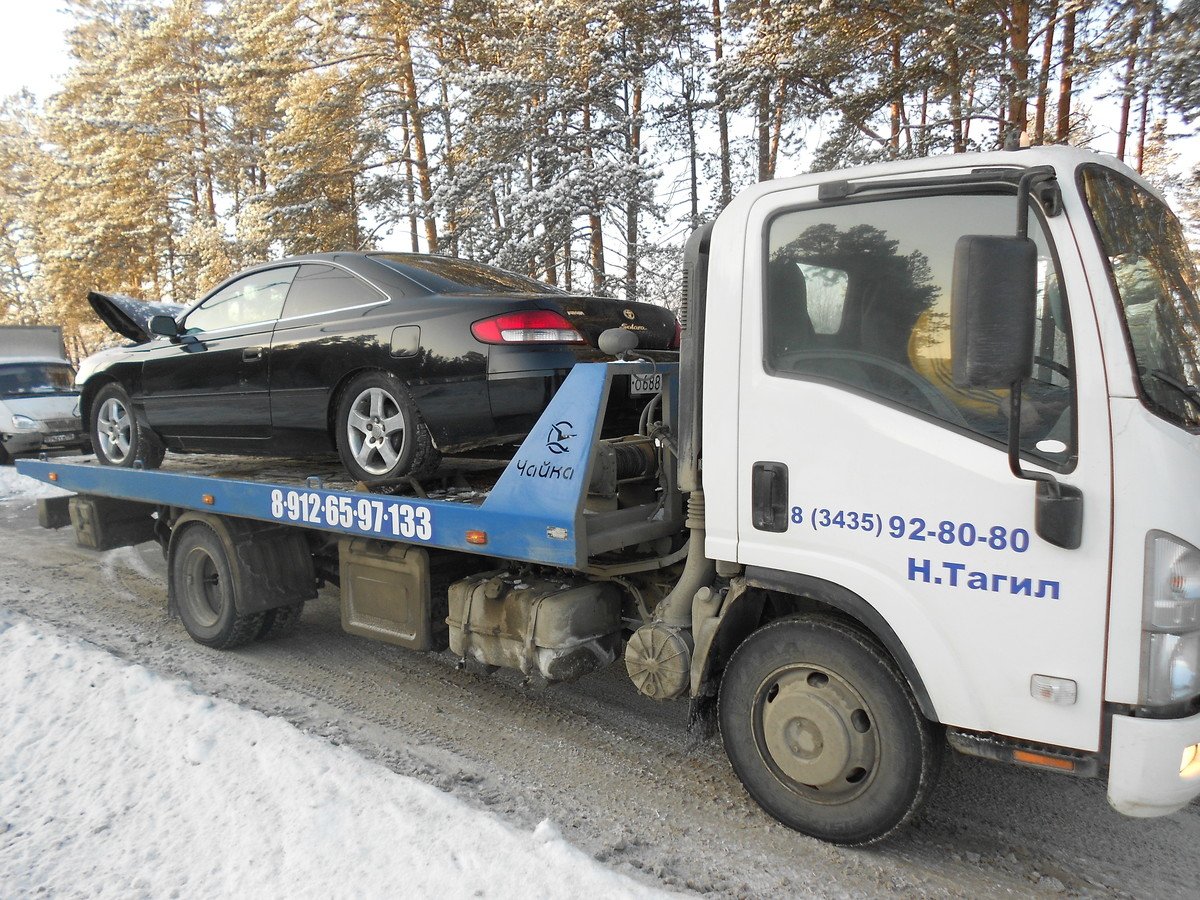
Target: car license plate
[641,385]
[58,438]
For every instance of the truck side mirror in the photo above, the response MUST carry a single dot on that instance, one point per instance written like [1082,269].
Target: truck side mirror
[993,302]
[164,326]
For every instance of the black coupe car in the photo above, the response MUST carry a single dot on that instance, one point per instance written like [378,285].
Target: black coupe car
[389,358]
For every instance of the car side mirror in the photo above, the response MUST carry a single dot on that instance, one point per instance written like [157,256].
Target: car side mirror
[164,326]
[993,303]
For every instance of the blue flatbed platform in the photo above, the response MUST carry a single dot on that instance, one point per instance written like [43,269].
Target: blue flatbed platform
[533,513]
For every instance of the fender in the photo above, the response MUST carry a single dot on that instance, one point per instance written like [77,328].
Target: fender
[271,565]
[716,637]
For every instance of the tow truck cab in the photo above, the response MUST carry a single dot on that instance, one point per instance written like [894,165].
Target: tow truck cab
[870,478]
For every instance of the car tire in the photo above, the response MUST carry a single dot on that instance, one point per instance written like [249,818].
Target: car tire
[823,731]
[380,433]
[117,437]
[202,587]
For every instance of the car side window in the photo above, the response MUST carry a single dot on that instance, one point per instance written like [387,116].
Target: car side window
[319,288]
[255,298]
[858,296]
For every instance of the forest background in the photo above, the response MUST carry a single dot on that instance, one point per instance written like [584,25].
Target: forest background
[577,141]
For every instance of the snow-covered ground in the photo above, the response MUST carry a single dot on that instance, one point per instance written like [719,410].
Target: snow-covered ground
[14,485]
[115,781]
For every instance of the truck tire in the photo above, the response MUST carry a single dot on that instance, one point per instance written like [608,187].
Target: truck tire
[280,622]
[379,430]
[824,733]
[202,588]
[117,436]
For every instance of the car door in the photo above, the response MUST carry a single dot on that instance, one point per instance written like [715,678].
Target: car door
[211,383]
[897,483]
[328,328]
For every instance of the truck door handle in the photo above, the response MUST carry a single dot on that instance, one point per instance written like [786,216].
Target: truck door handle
[768,496]
[252,355]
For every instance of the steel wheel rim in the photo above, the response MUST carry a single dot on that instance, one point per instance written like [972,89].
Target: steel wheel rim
[376,431]
[203,589]
[816,733]
[114,429]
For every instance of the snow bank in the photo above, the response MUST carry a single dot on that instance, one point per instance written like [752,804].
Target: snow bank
[117,782]
[14,484]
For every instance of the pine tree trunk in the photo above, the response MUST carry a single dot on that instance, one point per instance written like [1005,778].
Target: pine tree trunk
[1062,129]
[595,226]
[633,207]
[1019,83]
[722,114]
[1131,57]
[410,187]
[408,74]
[1043,94]
[894,137]
[1145,98]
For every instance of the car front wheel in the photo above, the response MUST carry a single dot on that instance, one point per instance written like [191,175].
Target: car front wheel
[380,433]
[117,437]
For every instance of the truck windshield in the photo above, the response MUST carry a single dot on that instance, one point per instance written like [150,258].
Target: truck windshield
[29,379]
[1154,275]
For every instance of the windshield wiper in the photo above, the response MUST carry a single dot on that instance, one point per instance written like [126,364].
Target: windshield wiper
[1187,390]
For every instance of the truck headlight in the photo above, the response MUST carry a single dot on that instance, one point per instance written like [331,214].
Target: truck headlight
[1170,620]
[24,423]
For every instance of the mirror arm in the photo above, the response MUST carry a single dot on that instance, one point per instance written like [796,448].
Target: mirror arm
[1058,507]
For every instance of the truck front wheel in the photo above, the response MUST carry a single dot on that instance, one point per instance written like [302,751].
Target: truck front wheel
[822,729]
[202,586]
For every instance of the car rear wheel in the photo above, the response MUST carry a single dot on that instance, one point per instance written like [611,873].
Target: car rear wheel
[117,437]
[380,433]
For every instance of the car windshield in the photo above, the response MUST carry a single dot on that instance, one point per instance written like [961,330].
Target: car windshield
[31,379]
[1155,277]
[447,275]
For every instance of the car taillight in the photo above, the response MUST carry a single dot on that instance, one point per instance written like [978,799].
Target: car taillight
[678,339]
[533,326]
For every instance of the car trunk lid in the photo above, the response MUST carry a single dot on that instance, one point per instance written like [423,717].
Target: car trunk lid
[591,316]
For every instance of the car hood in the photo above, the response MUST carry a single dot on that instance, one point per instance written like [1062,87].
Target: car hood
[128,316]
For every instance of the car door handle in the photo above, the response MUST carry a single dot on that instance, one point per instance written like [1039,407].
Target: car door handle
[768,496]
[252,355]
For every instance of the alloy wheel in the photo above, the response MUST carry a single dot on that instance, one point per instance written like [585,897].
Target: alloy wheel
[376,430]
[114,430]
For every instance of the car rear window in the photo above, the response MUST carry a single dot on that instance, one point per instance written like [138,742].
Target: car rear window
[447,275]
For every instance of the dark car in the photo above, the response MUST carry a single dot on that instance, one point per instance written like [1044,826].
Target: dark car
[391,358]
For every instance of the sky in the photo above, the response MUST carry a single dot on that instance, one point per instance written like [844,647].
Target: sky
[33,49]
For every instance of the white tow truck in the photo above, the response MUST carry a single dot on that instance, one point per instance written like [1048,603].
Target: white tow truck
[926,474]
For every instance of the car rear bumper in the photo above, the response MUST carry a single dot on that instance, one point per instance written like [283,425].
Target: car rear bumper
[1147,775]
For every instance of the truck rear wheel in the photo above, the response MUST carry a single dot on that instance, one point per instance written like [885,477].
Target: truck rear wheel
[202,586]
[823,731]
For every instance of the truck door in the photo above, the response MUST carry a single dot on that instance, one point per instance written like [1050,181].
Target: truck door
[862,465]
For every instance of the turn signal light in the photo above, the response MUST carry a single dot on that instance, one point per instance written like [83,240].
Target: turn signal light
[531,326]
[476,537]
[208,499]
[1189,766]
[53,476]
[1043,761]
